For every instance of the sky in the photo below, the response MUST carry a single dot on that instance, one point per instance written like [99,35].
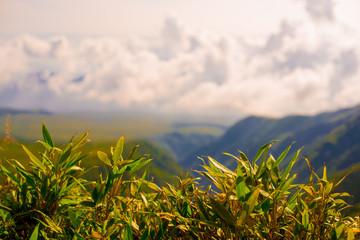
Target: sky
[230,58]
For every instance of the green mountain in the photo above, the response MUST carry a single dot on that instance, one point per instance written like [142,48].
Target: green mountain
[180,144]
[332,138]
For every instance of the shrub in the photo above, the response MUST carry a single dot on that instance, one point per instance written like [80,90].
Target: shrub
[51,199]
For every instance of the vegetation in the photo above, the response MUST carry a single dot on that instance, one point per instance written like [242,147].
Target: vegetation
[337,132]
[51,199]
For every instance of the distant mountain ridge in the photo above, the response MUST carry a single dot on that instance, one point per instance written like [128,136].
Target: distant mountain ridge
[11,111]
[331,138]
[317,134]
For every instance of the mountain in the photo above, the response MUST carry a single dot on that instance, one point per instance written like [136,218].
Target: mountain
[332,138]
[180,144]
[12,112]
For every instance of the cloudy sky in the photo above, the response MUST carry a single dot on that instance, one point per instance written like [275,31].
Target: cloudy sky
[229,57]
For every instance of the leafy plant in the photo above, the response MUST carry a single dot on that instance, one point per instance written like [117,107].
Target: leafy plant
[50,199]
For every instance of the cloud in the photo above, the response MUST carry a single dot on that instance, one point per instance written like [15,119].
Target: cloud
[320,10]
[297,69]
[275,41]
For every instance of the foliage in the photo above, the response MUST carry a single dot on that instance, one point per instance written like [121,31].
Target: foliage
[51,199]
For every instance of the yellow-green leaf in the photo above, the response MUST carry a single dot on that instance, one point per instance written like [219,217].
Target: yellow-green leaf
[118,149]
[47,136]
[34,159]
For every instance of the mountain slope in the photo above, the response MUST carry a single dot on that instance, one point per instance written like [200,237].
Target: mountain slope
[180,144]
[313,133]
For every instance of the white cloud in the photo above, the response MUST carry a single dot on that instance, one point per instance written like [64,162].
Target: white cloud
[322,10]
[302,68]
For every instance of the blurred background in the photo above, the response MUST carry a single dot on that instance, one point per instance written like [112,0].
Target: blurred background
[237,58]
[186,78]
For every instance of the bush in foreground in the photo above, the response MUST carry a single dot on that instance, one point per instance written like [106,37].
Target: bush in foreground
[50,199]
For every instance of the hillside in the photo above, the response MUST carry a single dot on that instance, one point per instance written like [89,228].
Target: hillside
[107,126]
[180,144]
[332,138]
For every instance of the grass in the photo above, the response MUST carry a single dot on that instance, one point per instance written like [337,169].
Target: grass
[51,199]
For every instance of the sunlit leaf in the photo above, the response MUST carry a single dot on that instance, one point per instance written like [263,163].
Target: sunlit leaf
[46,135]
[34,159]
[35,233]
[104,158]
[118,149]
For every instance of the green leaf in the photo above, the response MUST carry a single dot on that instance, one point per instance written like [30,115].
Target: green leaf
[219,165]
[73,161]
[10,175]
[35,233]
[104,158]
[339,229]
[249,206]
[223,213]
[109,182]
[262,150]
[118,172]
[282,155]
[34,159]
[145,235]
[128,232]
[202,208]
[265,205]
[350,234]
[46,145]
[151,185]
[240,185]
[65,189]
[253,199]
[79,237]
[118,149]
[284,186]
[245,161]
[28,179]
[208,176]
[46,135]
[342,179]
[75,221]
[80,140]
[133,151]
[139,166]
[5,207]
[65,155]
[312,170]
[305,219]
[64,201]
[285,174]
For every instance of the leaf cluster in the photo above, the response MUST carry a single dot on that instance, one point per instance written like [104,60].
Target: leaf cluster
[50,199]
